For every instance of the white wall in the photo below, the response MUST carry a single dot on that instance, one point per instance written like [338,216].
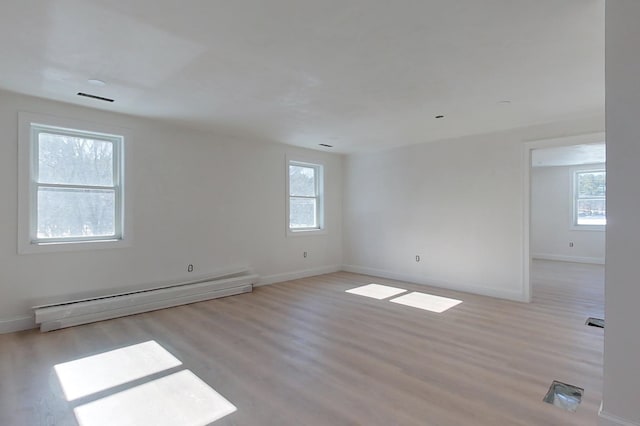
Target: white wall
[621,396]
[202,199]
[456,203]
[552,218]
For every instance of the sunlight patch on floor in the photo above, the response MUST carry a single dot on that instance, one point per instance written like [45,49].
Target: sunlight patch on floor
[376,291]
[139,385]
[96,373]
[427,302]
[177,399]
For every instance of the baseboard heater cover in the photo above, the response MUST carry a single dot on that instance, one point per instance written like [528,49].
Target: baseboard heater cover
[54,317]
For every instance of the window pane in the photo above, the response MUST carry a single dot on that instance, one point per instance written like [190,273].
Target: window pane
[302,213]
[591,212]
[592,184]
[75,213]
[302,181]
[74,160]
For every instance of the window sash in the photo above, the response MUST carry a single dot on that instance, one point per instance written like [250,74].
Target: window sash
[315,213]
[316,173]
[580,175]
[36,185]
[578,198]
[317,197]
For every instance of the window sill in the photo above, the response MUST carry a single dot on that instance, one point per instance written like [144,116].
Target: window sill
[598,228]
[306,232]
[66,246]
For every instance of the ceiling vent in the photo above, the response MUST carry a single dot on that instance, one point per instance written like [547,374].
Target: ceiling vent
[100,98]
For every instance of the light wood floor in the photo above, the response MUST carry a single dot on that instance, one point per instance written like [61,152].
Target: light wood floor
[305,352]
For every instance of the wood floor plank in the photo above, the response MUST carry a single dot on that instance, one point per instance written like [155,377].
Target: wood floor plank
[305,352]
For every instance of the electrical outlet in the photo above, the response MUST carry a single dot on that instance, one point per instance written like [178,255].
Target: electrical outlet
[571,244]
[304,254]
[417,258]
[190,268]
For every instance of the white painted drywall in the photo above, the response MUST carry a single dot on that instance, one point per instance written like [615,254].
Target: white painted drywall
[458,204]
[552,218]
[199,198]
[357,74]
[621,394]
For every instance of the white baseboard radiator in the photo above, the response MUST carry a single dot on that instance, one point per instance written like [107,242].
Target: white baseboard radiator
[76,312]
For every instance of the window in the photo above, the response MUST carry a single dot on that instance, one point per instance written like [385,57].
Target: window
[75,185]
[305,201]
[71,185]
[590,198]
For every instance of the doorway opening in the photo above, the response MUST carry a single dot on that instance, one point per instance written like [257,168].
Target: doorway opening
[565,211]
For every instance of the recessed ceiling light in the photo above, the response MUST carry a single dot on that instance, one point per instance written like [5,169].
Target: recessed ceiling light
[439,116]
[96,82]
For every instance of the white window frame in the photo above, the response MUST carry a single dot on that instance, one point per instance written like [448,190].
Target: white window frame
[29,127]
[574,210]
[320,199]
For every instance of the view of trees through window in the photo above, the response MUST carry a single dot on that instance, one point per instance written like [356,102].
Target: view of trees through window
[591,190]
[303,197]
[76,194]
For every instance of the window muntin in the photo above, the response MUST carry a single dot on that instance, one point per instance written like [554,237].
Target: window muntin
[590,198]
[305,198]
[76,191]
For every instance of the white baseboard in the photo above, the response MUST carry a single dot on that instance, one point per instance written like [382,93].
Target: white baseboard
[563,258]
[295,275]
[28,322]
[17,324]
[518,296]
[608,419]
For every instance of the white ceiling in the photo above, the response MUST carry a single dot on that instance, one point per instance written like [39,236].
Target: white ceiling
[356,74]
[573,155]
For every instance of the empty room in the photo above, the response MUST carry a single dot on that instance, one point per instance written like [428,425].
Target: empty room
[319,212]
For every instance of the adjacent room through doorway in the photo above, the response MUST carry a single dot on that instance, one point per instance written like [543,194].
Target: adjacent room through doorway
[568,224]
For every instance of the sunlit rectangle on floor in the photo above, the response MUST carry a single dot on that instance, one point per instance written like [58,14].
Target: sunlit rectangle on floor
[376,291]
[428,302]
[92,374]
[178,399]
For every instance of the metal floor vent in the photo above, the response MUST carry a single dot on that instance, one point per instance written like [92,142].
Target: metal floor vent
[565,396]
[595,322]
